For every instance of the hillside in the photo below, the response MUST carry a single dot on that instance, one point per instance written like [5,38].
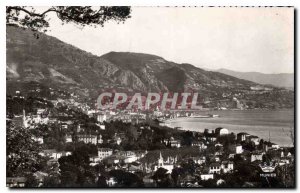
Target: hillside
[53,63]
[159,74]
[280,80]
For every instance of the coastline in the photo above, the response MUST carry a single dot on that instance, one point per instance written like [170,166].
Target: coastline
[254,122]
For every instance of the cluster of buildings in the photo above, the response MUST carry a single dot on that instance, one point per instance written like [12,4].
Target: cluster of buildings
[215,156]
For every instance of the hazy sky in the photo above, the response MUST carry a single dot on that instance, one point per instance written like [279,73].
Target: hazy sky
[241,39]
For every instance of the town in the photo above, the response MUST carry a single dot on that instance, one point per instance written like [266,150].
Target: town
[137,101]
[60,141]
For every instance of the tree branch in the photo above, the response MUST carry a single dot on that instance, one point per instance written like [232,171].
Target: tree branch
[29,12]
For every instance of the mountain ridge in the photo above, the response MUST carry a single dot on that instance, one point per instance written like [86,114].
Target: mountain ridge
[279,79]
[51,62]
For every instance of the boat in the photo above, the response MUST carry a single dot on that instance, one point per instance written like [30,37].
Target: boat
[214,115]
[205,116]
[200,116]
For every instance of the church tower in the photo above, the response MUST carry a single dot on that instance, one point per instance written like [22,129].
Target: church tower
[25,124]
[160,161]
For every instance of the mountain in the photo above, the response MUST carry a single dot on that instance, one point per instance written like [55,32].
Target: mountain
[53,62]
[56,64]
[157,74]
[280,80]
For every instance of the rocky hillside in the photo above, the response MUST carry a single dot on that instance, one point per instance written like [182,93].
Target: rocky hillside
[157,74]
[54,63]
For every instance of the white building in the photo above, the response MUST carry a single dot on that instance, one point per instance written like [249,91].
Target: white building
[175,143]
[104,152]
[206,176]
[227,166]
[253,139]
[129,156]
[214,168]
[168,165]
[68,138]
[211,138]
[40,111]
[239,149]
[100,140]
[199,144]
[221,131]
[94,160]
[101,118]
[87,138]
[52,153]
[118,140]
[199,160]
[102,126]
[130,159]
[111,182]
[270,145]
[40,140]
[256,156]
[32,121]
[242,136]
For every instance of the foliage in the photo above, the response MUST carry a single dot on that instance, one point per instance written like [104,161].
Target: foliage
[31,181]
[75,170]
[126,179]
[53,177]
[161,178]
[16,105]
[29,17]
[22,152]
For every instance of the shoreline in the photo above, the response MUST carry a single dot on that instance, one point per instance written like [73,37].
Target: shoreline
[279,125]
[235,131]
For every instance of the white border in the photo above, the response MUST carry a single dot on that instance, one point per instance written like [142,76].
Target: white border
[157,2]
[3,188]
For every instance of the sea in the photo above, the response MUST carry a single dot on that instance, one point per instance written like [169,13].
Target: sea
[273,125]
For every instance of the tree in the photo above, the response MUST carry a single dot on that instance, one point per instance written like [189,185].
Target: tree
[75,169]
[53,178]
[189,167]
[210,183]
[126,179]
[22,152]
[31,181]
[249,146]
[101,182]
[176,173]
[29,17]
[161,177]
[187,138]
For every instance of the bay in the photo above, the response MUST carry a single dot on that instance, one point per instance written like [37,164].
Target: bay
[274,124]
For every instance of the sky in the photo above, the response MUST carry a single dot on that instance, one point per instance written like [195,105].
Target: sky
[240,39]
